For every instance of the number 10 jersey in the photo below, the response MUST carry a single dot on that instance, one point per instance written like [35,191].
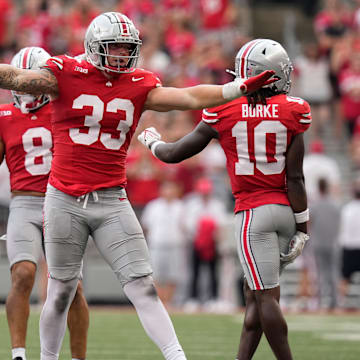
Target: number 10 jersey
[255,140]
[93,121]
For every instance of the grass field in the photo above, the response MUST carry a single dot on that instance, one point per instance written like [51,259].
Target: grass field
[118,335]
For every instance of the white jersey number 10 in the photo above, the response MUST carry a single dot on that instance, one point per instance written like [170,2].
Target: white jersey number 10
[245,166]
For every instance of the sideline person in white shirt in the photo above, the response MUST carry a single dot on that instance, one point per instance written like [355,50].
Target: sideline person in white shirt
[162,222]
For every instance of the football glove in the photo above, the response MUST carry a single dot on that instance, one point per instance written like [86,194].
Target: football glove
[151,139]
[296,247]
[149,136]
[240,87]
[256,82]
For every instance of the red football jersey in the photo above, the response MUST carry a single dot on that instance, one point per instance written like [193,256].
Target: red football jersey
[93,122]
[28,146]
[255,141]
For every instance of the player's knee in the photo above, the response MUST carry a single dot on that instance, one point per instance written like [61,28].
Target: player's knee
[148,286]
[268,296]
[141,290]
[23,276]
[63,299]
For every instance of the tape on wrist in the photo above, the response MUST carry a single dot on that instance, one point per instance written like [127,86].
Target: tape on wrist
[154,145]
[302,217]
[231,90]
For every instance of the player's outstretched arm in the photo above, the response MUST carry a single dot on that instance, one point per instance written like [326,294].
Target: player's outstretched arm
[205,96]
[34,82]
[189,145]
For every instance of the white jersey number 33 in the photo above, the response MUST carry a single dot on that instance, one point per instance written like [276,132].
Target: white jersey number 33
[93,121]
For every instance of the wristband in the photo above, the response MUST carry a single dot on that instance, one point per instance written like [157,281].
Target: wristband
[302,217]
[154,145]
[232,90]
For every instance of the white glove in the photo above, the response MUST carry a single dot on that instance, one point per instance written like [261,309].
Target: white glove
[296,247]
[150,138]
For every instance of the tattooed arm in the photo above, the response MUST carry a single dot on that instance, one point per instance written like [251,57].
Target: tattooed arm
[34,82]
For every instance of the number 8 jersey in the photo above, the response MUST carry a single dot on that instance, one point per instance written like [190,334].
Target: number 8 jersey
[93,121]
[255,140]
[28,146]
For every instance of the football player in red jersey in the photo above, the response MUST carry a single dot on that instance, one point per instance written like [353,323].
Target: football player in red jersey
[26,143]
[262,138]
[97,102]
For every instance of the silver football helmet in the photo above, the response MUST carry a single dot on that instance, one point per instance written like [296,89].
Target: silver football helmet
[109,28]
[30,58]
[259,55]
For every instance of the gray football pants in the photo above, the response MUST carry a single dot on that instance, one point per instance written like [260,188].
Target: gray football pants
[24,229]
[108,217]
[262,234]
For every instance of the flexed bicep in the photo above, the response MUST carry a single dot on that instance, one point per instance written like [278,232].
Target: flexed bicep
[36,82]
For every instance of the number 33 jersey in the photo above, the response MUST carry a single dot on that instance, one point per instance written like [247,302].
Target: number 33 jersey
[93,121]
[28,146]
[255,141]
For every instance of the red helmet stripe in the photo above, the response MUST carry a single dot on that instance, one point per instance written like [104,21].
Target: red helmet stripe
[25,58]
[124,24]
[125,30]
[243,57]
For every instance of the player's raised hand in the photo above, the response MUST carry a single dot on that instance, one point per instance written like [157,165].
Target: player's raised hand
[256,82]
[151,139]
[240,87]
[296,247]
[149,136]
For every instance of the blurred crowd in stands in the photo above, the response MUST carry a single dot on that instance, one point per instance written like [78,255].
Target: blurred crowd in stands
[186,208]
